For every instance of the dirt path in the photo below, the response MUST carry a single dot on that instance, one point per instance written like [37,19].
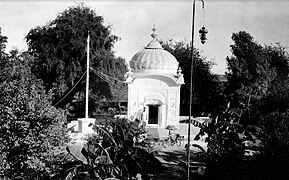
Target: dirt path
[173,160]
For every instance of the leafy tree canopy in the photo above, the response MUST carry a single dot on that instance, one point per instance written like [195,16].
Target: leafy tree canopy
[60,50]
[3,40]
[253,68]
[278,58]
[257,78]
[32,131]
[207,89]
[3,55]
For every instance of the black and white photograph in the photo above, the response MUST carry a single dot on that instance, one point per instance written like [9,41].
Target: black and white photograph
[144,90]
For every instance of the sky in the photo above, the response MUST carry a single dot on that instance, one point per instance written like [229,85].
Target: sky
[132,20]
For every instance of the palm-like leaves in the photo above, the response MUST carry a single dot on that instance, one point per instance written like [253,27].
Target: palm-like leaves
[105,134]
[106,155]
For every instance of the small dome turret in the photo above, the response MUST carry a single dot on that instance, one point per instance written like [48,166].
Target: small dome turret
[154,58]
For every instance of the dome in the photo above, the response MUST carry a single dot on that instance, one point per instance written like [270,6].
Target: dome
[154,58]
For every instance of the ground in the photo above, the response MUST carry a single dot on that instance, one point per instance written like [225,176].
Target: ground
[173,159]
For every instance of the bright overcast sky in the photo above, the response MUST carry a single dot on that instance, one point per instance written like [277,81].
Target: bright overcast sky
[267,21]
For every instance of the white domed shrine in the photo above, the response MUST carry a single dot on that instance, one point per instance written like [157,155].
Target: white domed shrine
[154,83]
[154,57]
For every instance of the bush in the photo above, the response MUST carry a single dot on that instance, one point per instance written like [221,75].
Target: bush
[32,131]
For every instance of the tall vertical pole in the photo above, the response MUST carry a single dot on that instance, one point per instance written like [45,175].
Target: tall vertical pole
[191,90]
[87,78]
[191,87]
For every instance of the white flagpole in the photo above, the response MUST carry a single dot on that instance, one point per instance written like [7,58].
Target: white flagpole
[87,78]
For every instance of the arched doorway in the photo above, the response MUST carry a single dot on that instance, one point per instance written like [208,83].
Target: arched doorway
[153,112]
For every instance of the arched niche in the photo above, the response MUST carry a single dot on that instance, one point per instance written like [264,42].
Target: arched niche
[155,111]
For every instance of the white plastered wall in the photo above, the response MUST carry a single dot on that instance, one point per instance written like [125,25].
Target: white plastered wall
[147,91]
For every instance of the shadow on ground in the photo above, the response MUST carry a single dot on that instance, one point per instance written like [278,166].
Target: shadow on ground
[173,162]
[172,157]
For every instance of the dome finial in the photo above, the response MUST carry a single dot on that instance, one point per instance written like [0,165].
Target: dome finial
[154,35]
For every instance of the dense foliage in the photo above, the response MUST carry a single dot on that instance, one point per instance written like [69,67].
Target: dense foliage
[258,89]
[249,74]
[60,51]
[3,55]
[207,88]
[114,151]
[249,138]
[232,146]
[32,131]
[255,74]
[3,40]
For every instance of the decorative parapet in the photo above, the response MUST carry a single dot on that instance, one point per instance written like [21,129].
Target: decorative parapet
[128,77]
[180,77]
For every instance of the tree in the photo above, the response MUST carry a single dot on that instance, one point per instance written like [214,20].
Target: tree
[208,90]
[249,73]
[276,99]
[258,85]
[60,50]
[3,55]
[255,73]
[278,59]
[32,131]
[3,40]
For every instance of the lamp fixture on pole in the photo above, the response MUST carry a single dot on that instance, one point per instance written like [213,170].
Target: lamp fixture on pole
[203,31]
